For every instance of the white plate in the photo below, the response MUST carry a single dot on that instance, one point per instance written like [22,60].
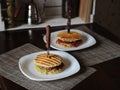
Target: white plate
[26,66]
[88,41]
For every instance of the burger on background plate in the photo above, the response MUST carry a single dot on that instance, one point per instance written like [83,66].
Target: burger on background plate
[68,40]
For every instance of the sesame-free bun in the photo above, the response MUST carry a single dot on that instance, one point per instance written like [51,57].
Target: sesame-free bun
[48,64]
[69,37]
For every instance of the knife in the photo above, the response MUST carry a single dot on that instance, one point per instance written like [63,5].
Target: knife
[68,16]
[48,39]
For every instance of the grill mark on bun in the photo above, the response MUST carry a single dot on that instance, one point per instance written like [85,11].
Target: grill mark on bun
[48,62]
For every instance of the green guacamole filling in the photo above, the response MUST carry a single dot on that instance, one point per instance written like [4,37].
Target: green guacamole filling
[45,71]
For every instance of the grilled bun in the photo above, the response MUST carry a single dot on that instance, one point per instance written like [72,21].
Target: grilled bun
[69,37]
[48,64]
[48,61]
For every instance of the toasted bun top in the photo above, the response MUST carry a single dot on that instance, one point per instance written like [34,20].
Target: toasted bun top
[48,61]
[69,37]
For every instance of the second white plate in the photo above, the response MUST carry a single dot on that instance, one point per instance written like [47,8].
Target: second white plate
[88,41]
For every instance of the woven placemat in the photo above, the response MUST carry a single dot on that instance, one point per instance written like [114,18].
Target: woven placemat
[9,69]
[102,51]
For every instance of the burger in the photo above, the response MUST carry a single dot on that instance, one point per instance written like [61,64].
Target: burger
[68,40]
[48,63]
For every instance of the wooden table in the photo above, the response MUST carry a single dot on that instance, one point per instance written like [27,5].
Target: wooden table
[107,76]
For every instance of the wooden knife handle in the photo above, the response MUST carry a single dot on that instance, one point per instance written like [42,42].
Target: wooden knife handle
[48,37]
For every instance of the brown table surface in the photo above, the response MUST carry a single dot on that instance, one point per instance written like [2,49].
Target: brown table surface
[107,76]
